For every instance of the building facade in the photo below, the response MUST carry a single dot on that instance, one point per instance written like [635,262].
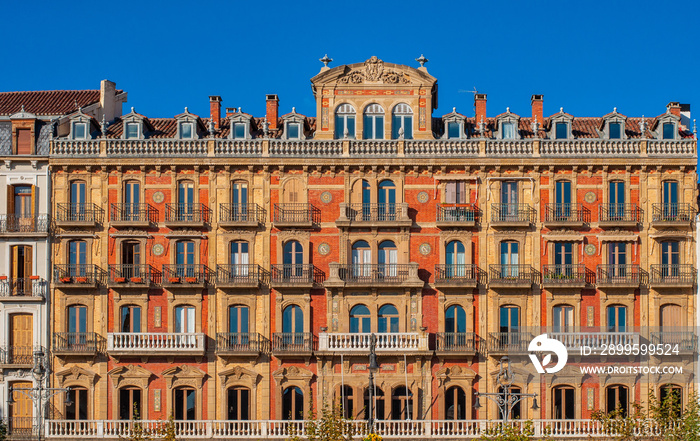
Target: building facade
[239,268]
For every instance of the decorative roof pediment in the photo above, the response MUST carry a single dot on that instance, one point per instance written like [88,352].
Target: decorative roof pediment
[23,114]
[455,373]
[130,375]
[239,117]
[561,116]
[76,374]
[184,375]
[294,117]
[613,116]
[374,71]
[136,117]
[454,116]
[292,373]
[238,373]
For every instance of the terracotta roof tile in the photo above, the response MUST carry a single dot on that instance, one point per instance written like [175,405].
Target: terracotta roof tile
[47,102]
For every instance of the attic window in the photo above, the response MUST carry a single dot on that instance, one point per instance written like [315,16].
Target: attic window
[293,131]
[615,130]
[132,131]
[239,130]
[186,130]
[79,130]
[508,130]
[669,131]
[454,130]
[562,130]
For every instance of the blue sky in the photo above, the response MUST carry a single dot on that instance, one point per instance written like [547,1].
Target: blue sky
[587,57]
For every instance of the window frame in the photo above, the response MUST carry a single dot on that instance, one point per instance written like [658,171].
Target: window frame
[375,113]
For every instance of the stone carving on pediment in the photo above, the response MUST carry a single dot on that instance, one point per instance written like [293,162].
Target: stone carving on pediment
[130,375]
[291,234]
[455,373]
[374,72]
[184,375]
[131,232]
[76,374]
[237,373]
[184,233]
[292,373]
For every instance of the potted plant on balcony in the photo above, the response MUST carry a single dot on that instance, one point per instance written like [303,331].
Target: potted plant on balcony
[174,279]
[66,279]
[33,277]
[191,279]
[137,280]
[120,279]
[3,277]
[81,279]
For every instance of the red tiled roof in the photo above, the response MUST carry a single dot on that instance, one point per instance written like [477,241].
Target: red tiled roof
[47,102]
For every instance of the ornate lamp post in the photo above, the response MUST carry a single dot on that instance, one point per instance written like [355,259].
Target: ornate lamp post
[373,367]
[505,400]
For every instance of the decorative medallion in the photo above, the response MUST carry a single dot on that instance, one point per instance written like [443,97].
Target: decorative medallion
[590,197]
[324,249]
[158,197]
[589,249]
[423,197]
[326,197]
[424,249]
[158,249]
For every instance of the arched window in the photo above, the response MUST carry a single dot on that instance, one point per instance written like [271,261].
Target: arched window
[376,396]
[455,320]
[674,394]
[185,202]
[373,122]
[132,199]
[76,404]
[130,403]
[563,404]
[293,327]
[388,320]
[184,259]
[185,404]
[455,404]
[509,259]
[21,339]
[617,397]
[130,319]
[20,202]
[344,395]
[239,258]
[509,328]
[238,403]
[238,337]
[455,265]
[563,318]
[360,319]
[515,412]
[293,192]
[386,201]
[617,318]
[239,201]
[360,208]
[387,259]
[293,259]
[670,259]
[345,121]
[670,199]
[402,122]
[131,255]
[292,404]
[402,404]
[361,259]
[562,196]
[77,258]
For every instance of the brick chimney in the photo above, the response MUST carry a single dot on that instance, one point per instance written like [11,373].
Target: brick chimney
[215,109]
[108,102]
[273,104]
[480,106]
[537,102]
[674,108]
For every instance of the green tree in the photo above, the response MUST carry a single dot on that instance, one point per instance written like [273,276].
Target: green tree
[621,425]
[168,431]
[330,425]
[138,431]
[514,431]
[675,423]
[3,430]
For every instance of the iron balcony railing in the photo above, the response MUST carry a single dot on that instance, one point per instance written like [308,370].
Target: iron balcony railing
[185,273]
[457,341]
[129,273]
[456,272]
[513,213]
[194,213]
[23,355]
[566,212]
[511,274]
[380,273]
[673,274]
[672,213]
[457,213]
[133,213]
[618,274]
[382,212]
[293,342]
[619,213]
[295,273]
[11,223]
[22,428]
[77,273]
[570,274]
[517,342]
[33,286]
[687,341]
[242,213]
[296,213]
[232,342]
[75,342]
[79,212]
[240,274]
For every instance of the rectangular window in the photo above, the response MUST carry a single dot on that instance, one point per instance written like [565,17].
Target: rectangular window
[669,131]
[453,130]
[563,254]
[615,131]
[239,131]
[508,130]
[562,131]
[186,131]
[24,142]
[79,130]
[293,131]
[456,192]
[132,131]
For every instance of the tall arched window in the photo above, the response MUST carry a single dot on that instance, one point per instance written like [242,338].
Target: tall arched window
[344,395]
[292,404]
[239,258]
[131,260]
[293,327]
[239,201]
[132,199]
[515,412]
[670,259]
[509,259]
[455,320]
[77,258]
[360,201]
[373,122]
[185,201]
[361,259]
[293,259]
[130,403]
[185,404]
[184,259]
[238,403]
[562,195]
[238,337]
[563,404]
[360,319]
[402,121]
[387,259]
[455,337]
[130,319]
[455,262]
[386,201]
[617,396]
[376,395]
[293,192]
[562,318]
[78,202]
[402,404]
[388,319]
[616,201]
[617,318]
[20,203]
[345,121]
[509,328]
[455,404]
[21,269]
[76,403]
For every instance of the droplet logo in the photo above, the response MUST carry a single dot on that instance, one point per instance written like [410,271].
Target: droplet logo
[542,343]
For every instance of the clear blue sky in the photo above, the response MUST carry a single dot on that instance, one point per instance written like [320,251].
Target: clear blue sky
[585,56]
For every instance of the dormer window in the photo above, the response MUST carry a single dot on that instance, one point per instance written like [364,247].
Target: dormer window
[402,122]
[669,131]
[508,130]
[186,130]
[615,130]
[293,125]
[454,130]
[293,130]
[454,125]
[79,130]
[562,130]
[132,130]
[612,126]
[239,130]
[507,125]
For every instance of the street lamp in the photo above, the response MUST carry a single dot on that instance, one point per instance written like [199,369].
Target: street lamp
[373,367]
[505,400]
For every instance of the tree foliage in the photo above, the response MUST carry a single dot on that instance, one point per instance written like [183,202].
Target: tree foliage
[329,425]
[3,430]
[514,431]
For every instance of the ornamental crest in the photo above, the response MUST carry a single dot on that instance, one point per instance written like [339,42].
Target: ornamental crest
[374,72]
[373,68]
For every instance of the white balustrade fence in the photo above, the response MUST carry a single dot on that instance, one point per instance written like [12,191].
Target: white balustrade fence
[155,342]
[361,342]
[238,147]
[442,147]
[66,147]
[595,340]
[590,147]
[306,148]
[157,147]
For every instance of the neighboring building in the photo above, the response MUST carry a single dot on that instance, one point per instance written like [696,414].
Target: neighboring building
[28,122]
[236,268]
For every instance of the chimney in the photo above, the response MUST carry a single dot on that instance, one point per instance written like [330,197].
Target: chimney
[108,90]
[273,104]
[537,102]
[480,105]
[685,116]
[674,108]
[215,109]
[230,111]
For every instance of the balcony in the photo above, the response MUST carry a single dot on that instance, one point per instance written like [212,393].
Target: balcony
[240,276]
[76,343]
[80,275]
[385,342]
[25,226]
[686,341]
[78,215]
[457,343]
[155,343]
[293,343]
[566,215]
[296,216]
[302,276]
[619,215]
[130,276]
[512,215]
[186,215]
[241,215]
[511,276]
[456,276]
[564,276]
[617,276]
[374,215]
[672,276]
[185,275]
[239,344]
[374,275]
[672,215]
[574,341]
[501,343]
[30,289]
[456,216]
[132,215]
[17,356]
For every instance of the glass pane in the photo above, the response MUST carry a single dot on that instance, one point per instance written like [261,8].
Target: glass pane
[293,131]
[669,129]
[186,130]
[562,131]
[351,126]
[453,130]
[615,131]
[508,130]
[339,127]
[395,125]
[132,131]
[239,131]
[79,130]
[408,127]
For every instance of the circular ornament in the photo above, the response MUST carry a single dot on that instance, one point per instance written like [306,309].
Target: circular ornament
[326,197]
[158,249]
[589,249]
[590,197]
[158,197]
[324,249]
[423,197]
[424,249]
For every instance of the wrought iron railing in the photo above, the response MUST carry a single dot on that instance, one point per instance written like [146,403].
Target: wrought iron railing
[509,341]
[381,212]
[457,213]
[672,274]
[22,355]
[232,342]
[11,223]
[240,274]
[80,273]
[33,286]
[618,274]
[620,213]
[456,272]
[672,213]
[185,273]
[242,213]
[293,342]
[195,213]
[133,213]
[379,273]
[295,273]
[687,341]
[566,212]
[79,212]
[457,341]
[569,274]
[513,213]
[129,273]
[75,342]
[296,213]
[510,274]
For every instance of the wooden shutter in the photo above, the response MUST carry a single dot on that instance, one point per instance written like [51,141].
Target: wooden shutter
[10,199]
[671,315]
[356,193]
[28,269]
[462,192]
[33,201]
[292,191]
[21,410]
[24,142]
[451,193]
[15,259]
[21,330]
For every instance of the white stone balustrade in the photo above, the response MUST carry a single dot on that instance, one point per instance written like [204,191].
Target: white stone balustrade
[70,147]
[594,340]
[145,343]
[157,147]
[360,342]
[306,148]
[374,147]
[442,147]
[238,147]
[668,147]
[590,147]
[509,147]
